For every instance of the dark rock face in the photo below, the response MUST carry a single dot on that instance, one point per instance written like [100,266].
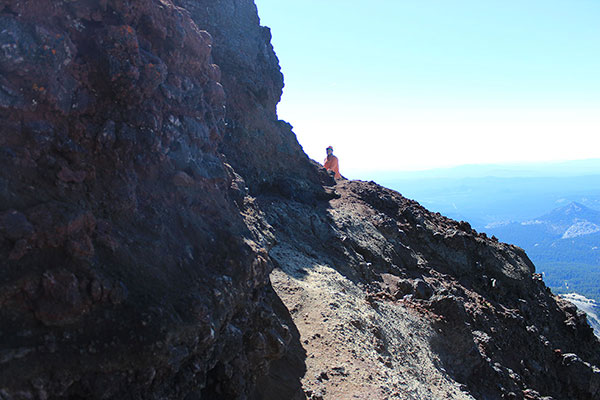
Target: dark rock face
[133,265]
[261,148]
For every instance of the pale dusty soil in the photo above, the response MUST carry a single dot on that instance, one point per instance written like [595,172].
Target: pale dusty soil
[357,349]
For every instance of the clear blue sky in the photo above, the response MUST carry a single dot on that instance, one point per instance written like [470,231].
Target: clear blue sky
[400,85]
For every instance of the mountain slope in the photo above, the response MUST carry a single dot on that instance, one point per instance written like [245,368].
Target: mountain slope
[163,235]
[409,304]
[570,221]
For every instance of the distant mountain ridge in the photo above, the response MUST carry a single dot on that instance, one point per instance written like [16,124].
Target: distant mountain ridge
[578,220]
[567,222]
[574,225]
[548,209]
[511,170]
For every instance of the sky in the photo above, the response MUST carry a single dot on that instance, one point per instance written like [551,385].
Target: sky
[411,85]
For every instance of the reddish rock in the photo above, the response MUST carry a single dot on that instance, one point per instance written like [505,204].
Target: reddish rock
[66,175]
[80,247]
[103,105]
[60,301]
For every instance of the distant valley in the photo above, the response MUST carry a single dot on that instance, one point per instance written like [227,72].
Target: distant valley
[573,229]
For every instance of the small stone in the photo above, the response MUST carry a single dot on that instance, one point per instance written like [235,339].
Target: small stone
[323,376]
[422,289]
[339,371]
[183,179]
[66,175]
[403,287]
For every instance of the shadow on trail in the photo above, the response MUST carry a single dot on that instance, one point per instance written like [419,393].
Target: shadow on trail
[285,374]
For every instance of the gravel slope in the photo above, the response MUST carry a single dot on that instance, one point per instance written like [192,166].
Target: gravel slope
[357,349]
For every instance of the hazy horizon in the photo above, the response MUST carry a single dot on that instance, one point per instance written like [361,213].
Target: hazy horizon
[582,167]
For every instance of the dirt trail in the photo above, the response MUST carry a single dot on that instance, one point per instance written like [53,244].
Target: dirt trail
[357,349]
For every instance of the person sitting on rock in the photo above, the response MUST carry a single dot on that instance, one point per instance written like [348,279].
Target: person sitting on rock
[331,163]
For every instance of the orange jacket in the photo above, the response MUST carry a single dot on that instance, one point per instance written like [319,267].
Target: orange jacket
[331,163]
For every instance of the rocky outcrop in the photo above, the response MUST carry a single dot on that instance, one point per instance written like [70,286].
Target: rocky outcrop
[133,263]
[261,148]
[149,196]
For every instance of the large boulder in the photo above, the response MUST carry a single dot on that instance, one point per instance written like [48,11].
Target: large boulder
[132,261]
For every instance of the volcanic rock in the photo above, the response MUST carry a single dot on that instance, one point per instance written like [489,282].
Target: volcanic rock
[130,265]
[163,235]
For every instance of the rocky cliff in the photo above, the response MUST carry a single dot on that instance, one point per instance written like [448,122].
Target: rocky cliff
[133,262]
[163,235]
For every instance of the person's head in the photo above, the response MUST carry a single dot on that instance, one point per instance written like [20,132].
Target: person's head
[329,150]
